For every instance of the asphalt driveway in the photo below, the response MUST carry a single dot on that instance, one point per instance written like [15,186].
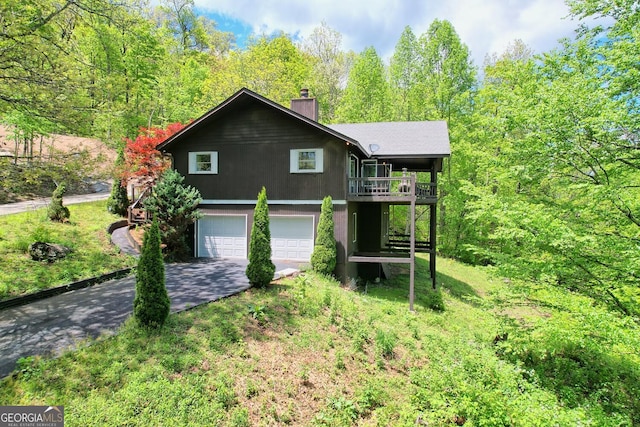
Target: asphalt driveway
[54,324]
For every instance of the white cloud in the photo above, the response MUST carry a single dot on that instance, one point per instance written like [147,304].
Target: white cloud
[486,26]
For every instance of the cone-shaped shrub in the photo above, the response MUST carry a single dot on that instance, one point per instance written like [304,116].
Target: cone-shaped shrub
[260,269]
[56,211]
[118,202]
[151,304]
[323,258]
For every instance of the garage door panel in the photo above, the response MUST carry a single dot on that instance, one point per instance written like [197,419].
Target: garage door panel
[222,236]
[291,237]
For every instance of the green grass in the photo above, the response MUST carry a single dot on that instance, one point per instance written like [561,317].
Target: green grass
[85,233]
[308,352]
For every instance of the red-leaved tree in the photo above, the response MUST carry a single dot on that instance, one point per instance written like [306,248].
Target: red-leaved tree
[143,162]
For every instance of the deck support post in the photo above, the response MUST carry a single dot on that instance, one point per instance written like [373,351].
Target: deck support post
[412,243]
[432,231]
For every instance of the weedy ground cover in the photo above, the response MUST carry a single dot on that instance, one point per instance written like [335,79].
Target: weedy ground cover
[85,233]
[306,351]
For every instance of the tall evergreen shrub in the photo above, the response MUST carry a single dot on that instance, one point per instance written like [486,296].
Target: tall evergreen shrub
[57,211]
[118,202]
[151,304]
[323,258]
[260,269]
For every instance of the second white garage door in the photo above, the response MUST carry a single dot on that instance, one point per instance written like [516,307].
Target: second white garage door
[222,236]
[291,237]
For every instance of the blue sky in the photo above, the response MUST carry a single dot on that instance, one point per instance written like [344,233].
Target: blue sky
[485,26]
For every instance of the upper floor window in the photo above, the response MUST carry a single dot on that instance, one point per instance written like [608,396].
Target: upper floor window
[307,161]
[204,162]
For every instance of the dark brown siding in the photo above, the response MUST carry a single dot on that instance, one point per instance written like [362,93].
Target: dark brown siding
[253,145]
[351,268]
[369,226]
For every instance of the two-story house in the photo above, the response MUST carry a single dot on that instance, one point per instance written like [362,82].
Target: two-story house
[248,142]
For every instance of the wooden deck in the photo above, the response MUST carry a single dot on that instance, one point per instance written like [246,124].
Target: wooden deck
[381,257]
[391,189]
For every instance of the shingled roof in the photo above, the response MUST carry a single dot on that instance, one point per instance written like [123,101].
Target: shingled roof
[400,139]
[417,140]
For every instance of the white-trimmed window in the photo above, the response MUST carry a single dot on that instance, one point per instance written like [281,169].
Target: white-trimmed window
[306,160]
[203,162]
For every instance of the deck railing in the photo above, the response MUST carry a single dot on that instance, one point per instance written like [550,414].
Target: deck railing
[401,186]
[137,214]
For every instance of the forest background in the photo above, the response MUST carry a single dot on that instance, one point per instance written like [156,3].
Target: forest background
[544,178]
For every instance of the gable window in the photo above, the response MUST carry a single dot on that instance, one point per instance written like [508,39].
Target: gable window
[203,162]
[307,161]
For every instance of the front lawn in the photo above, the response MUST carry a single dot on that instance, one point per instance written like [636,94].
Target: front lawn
[307,352]
[85,233]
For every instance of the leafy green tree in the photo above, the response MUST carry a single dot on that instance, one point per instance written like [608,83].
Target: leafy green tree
[123,54]
[57,211]
[558,200]
[151,304]
[446,75]
[193,32]
[46,69]
[366,97]
[260,269]
[403,71]
[323,258]
[34,71]
[330,69]
[174,207]
[271,66]
[444,83]
[118,201]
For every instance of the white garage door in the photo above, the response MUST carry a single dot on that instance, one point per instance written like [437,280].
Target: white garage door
[223,236]
[291,237]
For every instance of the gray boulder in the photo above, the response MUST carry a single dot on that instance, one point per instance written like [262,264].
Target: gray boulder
[50,252]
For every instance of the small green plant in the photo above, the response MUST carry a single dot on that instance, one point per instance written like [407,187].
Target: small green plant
[345,409]
[370,397]
[433,299]
[304,375]
[302,283]
[239,418]
[224,394]
[41,234]
[385,343]
[258,312]
[340,361]
[28,367]
[252,389]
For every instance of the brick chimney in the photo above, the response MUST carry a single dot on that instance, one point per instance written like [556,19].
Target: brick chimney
[306,106]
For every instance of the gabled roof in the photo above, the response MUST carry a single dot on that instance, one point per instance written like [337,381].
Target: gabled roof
[400,139]
[386,139]
[243,94]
